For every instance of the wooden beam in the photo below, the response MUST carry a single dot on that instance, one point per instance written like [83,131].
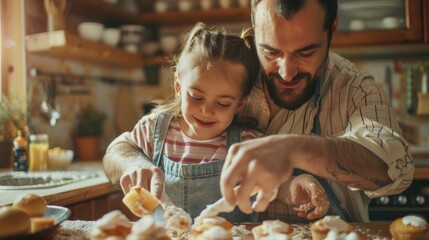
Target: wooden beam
[13,78]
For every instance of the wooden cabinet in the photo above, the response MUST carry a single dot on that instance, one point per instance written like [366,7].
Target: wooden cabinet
[94,209]
[91,203]
[416,18]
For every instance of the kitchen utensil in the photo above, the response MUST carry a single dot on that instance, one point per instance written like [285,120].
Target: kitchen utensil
[48,102]
[56,10]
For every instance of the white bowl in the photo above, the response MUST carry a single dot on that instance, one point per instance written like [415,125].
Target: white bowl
[206,4]
[91,30]
[161,6]
[59,159]
[244,3]
[169,43]
[185,5]
[225,3]
[111,36]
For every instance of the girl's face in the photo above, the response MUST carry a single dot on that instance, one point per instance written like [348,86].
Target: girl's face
[210,98]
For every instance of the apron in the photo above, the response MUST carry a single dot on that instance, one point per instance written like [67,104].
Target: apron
[193,186]
[336,207]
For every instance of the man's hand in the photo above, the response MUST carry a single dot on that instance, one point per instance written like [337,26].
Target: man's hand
[309,197]
[148,177]
[263,164]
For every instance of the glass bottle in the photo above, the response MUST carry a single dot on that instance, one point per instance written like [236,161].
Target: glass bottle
[39,146]
[20,161]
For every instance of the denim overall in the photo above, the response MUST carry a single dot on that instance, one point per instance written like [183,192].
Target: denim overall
[336,208]
[193,186]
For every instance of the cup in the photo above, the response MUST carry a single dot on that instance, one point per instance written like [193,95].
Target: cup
[38,152]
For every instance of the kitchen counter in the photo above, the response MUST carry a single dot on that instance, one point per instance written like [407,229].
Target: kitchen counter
[81,229]
[71,192]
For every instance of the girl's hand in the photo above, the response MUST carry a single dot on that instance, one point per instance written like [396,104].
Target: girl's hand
[309,197]
[148,177]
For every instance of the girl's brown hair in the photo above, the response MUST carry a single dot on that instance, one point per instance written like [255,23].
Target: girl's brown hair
[203,47]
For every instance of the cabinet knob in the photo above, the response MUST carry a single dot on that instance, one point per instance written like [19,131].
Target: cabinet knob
[402,200]
[384,200]
[420,200]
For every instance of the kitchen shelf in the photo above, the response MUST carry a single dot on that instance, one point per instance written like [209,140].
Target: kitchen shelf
[102,11]
[66,45]
[114,15]
[158,60]
[215,15]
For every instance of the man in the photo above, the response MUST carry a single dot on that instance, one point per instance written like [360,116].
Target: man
[308,91]
[304,91]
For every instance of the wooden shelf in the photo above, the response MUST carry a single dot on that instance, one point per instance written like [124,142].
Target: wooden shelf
[98,10]
[66,45]
[216,15]
[157,60]
[113,15]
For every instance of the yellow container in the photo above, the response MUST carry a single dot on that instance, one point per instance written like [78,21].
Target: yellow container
[38,150]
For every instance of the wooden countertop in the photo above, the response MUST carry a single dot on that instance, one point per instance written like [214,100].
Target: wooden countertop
[68,193]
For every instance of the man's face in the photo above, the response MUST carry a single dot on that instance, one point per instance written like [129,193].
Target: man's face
[292,52]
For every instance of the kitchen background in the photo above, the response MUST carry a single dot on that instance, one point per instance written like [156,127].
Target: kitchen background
[70,67]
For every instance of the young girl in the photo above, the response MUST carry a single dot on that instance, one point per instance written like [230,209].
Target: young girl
[188,138]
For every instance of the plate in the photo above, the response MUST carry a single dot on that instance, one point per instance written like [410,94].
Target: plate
[59,213]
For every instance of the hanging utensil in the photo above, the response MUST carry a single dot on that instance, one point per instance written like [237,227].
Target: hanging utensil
[48,92]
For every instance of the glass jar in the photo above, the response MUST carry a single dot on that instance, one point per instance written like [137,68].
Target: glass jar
[38,150]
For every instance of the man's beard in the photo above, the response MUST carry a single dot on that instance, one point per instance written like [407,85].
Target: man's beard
[290,98]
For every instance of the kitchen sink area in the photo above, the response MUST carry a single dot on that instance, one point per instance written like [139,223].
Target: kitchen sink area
[36,180]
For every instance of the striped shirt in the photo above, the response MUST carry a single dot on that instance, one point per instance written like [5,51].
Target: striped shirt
[353,108]
[180,148]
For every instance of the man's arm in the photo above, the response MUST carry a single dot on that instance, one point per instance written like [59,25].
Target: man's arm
[341,160]
[268,162]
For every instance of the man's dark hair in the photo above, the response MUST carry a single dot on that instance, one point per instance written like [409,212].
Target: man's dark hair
[288,8]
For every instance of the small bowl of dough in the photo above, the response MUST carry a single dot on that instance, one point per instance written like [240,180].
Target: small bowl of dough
[59,158]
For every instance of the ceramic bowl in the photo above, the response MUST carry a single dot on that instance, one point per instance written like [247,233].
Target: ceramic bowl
[91,30]
[59,159]
[169,43]
[111,36]
[161,6]
[225,3]
[185,5]
[206,4]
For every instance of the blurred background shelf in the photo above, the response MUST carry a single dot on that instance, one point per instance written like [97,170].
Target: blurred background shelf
[104,12]
[66,45]
[114,15]
[215,15]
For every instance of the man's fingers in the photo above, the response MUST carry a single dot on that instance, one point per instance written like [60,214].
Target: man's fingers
[233,170]
[244,193]
[262,200]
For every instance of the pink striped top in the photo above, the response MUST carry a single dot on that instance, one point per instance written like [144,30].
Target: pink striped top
[179,147]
